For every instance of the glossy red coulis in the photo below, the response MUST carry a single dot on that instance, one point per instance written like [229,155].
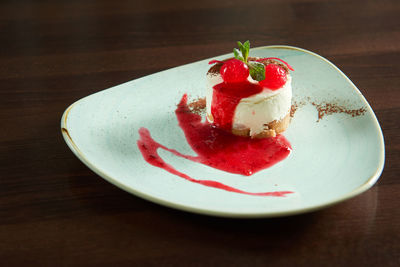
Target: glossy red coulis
[225,99]
[218,149]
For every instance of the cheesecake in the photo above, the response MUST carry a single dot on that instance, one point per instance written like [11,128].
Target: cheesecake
[248,104]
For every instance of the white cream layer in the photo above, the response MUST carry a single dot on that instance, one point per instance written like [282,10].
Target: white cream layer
[259,109]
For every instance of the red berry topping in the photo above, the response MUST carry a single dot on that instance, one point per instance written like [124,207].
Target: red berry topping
[275,77]
[234,71]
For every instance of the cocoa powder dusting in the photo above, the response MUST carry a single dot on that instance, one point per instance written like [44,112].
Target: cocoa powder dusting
[198,105]
[295,106]
[331,108]
[293,110]
[270,61]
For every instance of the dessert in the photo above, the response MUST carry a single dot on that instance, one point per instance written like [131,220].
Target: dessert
[249,96]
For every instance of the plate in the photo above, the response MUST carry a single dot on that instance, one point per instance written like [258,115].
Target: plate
[333,159]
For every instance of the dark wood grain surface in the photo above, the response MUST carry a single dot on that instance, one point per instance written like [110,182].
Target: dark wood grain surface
[55,212]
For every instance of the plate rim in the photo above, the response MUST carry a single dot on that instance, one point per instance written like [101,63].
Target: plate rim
[362,188]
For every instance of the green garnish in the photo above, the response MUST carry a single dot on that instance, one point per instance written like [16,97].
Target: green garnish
[238,54]
[256,69]
[243,51]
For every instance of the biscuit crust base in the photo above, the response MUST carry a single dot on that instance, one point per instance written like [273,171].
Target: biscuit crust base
[271,129]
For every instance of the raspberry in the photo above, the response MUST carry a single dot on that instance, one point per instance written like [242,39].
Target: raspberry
[275,77]
[234,71]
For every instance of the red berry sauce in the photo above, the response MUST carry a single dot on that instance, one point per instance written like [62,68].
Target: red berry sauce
[218,149]
[225,99]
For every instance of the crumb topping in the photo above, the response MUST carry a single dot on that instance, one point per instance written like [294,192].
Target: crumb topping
[198,105]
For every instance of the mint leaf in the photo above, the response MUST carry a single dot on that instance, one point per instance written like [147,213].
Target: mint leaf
[238,54]
[240,46]
[244,49]
[257,70]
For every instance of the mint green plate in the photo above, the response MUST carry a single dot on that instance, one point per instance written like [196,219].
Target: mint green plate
[333,160]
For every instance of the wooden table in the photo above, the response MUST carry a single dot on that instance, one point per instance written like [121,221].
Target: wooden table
[55,212]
